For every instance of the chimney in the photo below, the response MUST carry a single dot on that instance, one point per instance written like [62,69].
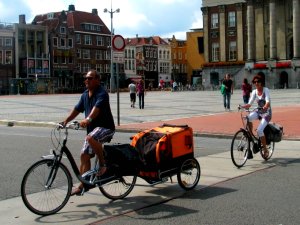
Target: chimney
[22,19]
[72,8]
[95,11]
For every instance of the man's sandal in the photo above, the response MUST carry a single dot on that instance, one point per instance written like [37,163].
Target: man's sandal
[102,170]
[266,154]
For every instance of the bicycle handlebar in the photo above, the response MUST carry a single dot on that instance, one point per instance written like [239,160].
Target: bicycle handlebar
[75,125]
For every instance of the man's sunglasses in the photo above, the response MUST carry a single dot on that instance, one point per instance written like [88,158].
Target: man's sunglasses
[89,78]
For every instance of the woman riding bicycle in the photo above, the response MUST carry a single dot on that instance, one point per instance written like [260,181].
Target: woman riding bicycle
[264,112]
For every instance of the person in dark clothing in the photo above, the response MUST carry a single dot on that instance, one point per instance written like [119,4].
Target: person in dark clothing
[94,102]
[141,93]
[247,89]
[228,91]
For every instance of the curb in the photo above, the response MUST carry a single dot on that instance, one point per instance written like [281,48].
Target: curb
[11,123]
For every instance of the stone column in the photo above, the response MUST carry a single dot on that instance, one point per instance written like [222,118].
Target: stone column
[240,35]
[259,32]
[206,35]
[250,31]
[273,39]
[222,24]
[296,28]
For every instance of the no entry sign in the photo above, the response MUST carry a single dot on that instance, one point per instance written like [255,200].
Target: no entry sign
[118,43]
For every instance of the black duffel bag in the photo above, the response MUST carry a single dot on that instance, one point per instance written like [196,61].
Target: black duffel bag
[273,132]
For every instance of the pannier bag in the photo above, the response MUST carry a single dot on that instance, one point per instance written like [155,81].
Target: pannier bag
[162,145]
[123,155]
[273,132]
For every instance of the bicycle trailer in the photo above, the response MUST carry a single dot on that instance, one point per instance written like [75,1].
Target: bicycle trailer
[163,149]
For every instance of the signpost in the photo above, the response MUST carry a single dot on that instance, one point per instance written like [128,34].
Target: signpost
[118,44]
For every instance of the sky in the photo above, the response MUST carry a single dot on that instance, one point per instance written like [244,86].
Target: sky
[163,18]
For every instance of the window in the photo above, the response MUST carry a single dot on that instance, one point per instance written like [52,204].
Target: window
[78,38]
[231,19]
[55,41]
[70,61]
[100,41]
[215,51]
[79,67]
[63,42]
[79,53]
[99,68]
[99,55]
[179,55]
[1,57]
[1,41]
[214,20]
[8,42]
[86,67]
[63,60]
[8,57]
[62,30]
[87,40]
[70,42]
[232,50]
[86,54]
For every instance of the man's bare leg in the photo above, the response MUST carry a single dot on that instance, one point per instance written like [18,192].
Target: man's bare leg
[98,149]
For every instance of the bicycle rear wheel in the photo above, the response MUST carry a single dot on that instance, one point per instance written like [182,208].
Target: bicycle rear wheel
[40,197]
[118,188]
[189,174]
[240,146]
[271,148]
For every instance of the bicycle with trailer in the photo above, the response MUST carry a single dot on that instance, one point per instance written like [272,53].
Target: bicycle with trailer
[244,141]
[47,184]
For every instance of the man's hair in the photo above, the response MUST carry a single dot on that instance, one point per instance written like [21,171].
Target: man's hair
[97,75]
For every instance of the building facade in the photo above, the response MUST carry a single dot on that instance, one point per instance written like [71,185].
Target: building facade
[7,62]
[195,56]
[78,41]
[245,37]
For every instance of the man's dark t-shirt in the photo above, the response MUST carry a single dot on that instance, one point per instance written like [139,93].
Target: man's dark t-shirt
[228,84]
[99,99]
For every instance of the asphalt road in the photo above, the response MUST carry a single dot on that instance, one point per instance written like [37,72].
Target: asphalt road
[22,146]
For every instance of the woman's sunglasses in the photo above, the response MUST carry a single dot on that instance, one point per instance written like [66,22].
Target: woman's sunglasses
[256,82]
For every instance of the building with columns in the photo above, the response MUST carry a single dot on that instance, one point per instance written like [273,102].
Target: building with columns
[245,37]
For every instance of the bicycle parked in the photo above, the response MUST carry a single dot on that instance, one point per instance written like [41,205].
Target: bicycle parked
[47,184]
[244,142]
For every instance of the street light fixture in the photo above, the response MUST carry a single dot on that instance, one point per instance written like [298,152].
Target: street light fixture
[111,11]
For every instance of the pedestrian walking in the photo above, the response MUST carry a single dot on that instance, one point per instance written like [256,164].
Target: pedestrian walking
[141,93]
[228,83]
[246,89]
[132,93]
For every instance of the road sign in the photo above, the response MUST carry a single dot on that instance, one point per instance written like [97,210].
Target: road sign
[118,43]
[118,57]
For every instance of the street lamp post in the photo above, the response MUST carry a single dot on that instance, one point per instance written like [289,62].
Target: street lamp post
[111,11]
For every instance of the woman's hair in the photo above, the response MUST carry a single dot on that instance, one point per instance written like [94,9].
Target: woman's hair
[245,81]
[259,78]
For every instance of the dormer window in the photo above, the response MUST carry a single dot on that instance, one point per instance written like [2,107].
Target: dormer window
[62,30]
[50,15]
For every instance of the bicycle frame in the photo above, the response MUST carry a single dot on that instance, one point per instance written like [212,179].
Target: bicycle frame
[57,160]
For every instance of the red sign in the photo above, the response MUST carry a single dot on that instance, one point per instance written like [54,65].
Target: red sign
[118,43]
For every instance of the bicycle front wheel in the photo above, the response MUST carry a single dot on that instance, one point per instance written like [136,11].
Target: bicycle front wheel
[271,148]
[46,188]
[240,146]
[118,188]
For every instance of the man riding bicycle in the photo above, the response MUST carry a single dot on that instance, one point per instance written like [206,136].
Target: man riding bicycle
[264,112]
[94,102]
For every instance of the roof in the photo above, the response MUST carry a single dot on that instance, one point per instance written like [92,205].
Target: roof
[74,20]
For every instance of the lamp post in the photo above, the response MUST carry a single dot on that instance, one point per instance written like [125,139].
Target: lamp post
[111,11]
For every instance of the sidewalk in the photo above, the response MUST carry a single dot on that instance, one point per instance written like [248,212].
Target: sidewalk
[227,123]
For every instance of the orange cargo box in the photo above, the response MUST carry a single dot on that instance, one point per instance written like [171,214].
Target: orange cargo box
[164,143]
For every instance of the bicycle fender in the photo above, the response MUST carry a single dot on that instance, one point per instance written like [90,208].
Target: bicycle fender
[51,156]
